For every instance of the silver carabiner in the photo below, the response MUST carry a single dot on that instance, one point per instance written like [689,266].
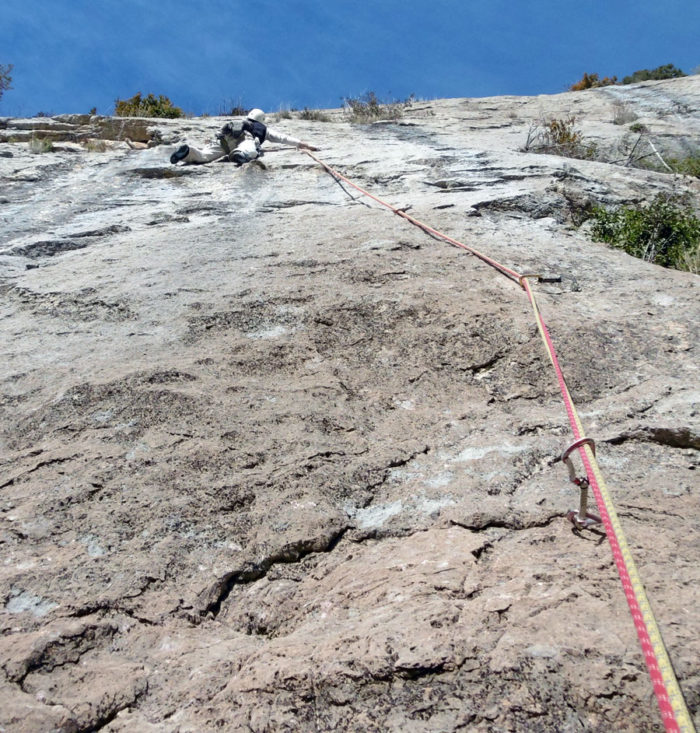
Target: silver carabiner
[581,519]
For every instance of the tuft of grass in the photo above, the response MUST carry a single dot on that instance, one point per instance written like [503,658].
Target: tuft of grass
[95,145]
[638,127]
[689,166]
[38,145]
[623,113]
[233,108]
[665,232]
[314,115]
[369,108]
[559,137]
[690,262]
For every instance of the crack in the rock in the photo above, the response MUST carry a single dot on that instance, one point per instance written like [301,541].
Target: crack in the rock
[415,673]
[514,524]
[384,471]
[110,714]
[650,510]
[117,604]
[476,369]
[398,462]
[216,595]
[682,437]
[91,608]
[39,465]
[327,454]
[72,647]
[421,670]
[267,208]
[479,551]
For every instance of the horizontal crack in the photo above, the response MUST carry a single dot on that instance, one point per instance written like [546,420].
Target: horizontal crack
[211,600]
[651,510]
[41,464]
[683,437]
[397,462]
[515,524]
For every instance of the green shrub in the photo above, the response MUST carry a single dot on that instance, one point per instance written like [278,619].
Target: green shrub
[149,106]
[668,71]
[689,166]
[666,231]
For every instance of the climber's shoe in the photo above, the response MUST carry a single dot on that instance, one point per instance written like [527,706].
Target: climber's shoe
[239,157]
[180,154]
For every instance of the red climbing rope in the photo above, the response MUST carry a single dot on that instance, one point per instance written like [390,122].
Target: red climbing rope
[400,212]
[674,712]
[668,694]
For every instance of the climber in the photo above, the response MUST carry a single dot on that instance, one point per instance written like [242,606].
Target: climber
[239,141]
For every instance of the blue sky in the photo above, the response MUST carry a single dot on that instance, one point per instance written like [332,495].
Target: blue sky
[72,55]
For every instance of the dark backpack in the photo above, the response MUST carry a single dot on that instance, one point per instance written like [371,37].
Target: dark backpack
[257,129]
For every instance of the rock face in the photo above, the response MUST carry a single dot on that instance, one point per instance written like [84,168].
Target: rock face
[273,459]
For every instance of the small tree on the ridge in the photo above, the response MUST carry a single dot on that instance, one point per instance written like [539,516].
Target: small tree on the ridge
[5,78]
[591,81]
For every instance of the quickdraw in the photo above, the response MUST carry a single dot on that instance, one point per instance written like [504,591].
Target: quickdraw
[581,519]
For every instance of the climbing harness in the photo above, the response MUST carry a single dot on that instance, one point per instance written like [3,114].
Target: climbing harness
[672,707]
[261,152]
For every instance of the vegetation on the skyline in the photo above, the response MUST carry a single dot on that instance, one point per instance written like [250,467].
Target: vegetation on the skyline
[667,71]
[5,78]
[150,106]
[369,108]
[233,108]
[315,115]
[592,81]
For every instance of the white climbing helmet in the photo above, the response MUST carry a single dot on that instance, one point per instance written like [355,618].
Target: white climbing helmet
[256,114]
